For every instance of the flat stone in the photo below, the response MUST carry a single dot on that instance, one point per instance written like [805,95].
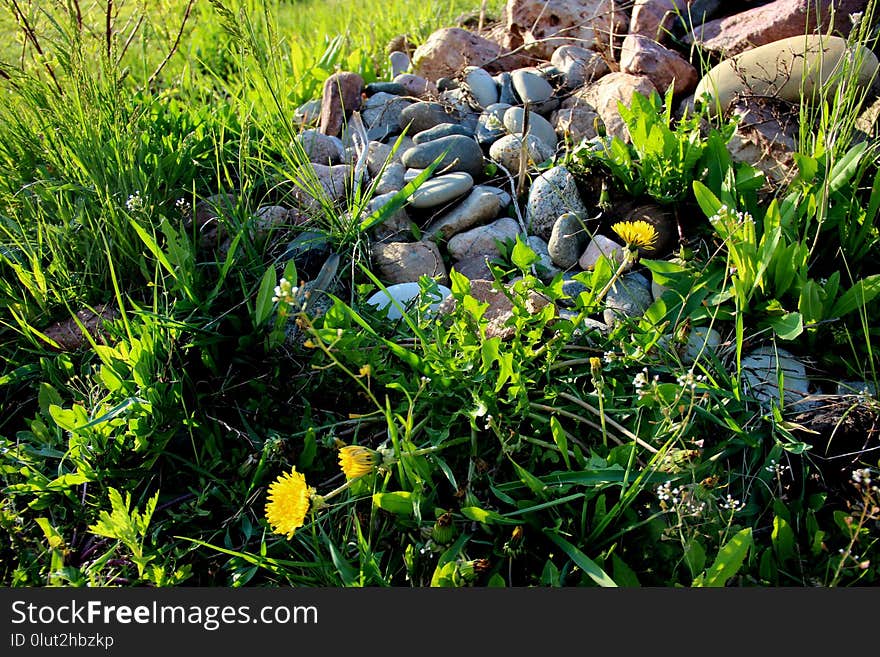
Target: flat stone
[761,368]
[441,189]
[630,296]
[482,239]
[600,246]
[407,296]
[462,154]
[479,207]
[385,88]
[567,240]
[534,90]
[552,194]
[480,86]
[416,85]
[474,267]
[802,63]
[504,197]
[507,151]
[392,179]
[538,125]
[423,115]
[442,130]
[406,262]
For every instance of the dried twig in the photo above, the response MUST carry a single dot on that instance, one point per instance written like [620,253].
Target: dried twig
[176,44]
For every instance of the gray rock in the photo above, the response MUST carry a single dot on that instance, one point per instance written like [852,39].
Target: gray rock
[567,240]
[503,197]
[314,181]
[381,114]
[480,86]
[538,125]
[490,125]
[442,130]
[544,268]
[474,267]
[391,179]
[579,66]
[416,85]
[602,246]
[441,189]
[395,227]
[380,155]
[423,115]
[320,148]
[572,289]
[507,152]
[400,63]
[479,207]
[507,94]
[533,90]
[482,240]
[308,113]
[385,87]
[630,296]
[552,194]
[406,262]
[575,124]
[761,368]
[461,154]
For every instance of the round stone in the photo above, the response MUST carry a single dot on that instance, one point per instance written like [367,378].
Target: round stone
[441,189]
[480,86]
[514,119]
[459,153]
[507,152]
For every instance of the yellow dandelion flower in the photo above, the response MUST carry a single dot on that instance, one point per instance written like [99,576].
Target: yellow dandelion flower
[639,233]
[366,370]
[289,499]
[357,461]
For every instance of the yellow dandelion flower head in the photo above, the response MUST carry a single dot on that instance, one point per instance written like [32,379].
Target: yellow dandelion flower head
[639,233]
[356,460]
[288,502]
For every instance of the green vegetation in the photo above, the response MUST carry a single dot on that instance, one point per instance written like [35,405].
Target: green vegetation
[536,453]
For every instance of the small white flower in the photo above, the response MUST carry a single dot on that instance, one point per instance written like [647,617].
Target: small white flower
[285,292]
[134,202]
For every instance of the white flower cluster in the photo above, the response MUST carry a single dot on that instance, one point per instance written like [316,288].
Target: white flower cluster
[183,206]
[776,468]
[641,381]
[135,202]
[285,292]
[680,498]
[862,476]
[732,504]
[726,213]
[689,380]
[609,357]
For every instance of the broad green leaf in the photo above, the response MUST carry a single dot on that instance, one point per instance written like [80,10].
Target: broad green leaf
[400,503]
[265,305]
[581,560]
[707,201]
[789,326]
[860,294]
[624,576]
[523,255]
[560,439]
[695,557]
[783,539]
[728,562]
[845,168]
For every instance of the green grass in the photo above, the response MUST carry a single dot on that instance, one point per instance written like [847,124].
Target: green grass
[552,458]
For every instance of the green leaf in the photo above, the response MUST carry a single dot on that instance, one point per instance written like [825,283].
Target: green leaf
[581,560]
[523,255]
[400,503]
[783,539]
[560,438]
[695,557]
[845,168]
[728,562]
[707,201]
[789,326]
[623,574]
[48,396]
[863,292]
[265,305]
[486,517]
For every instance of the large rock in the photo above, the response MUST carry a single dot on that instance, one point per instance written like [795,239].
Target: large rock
[425,115]
[567,240]
[630,296]
[381,114]
[604,94]
[575,124]
[552,194]
[406,262]
[784,69]
[778,20]
[442,189]
[654,18]
[500,307]
[579,66]
[317,182]
[320,148]
[766,137]
[482,240]
[640,55]
[447,52]
[480,206]
[341,96]
[542,26]
[459,153]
